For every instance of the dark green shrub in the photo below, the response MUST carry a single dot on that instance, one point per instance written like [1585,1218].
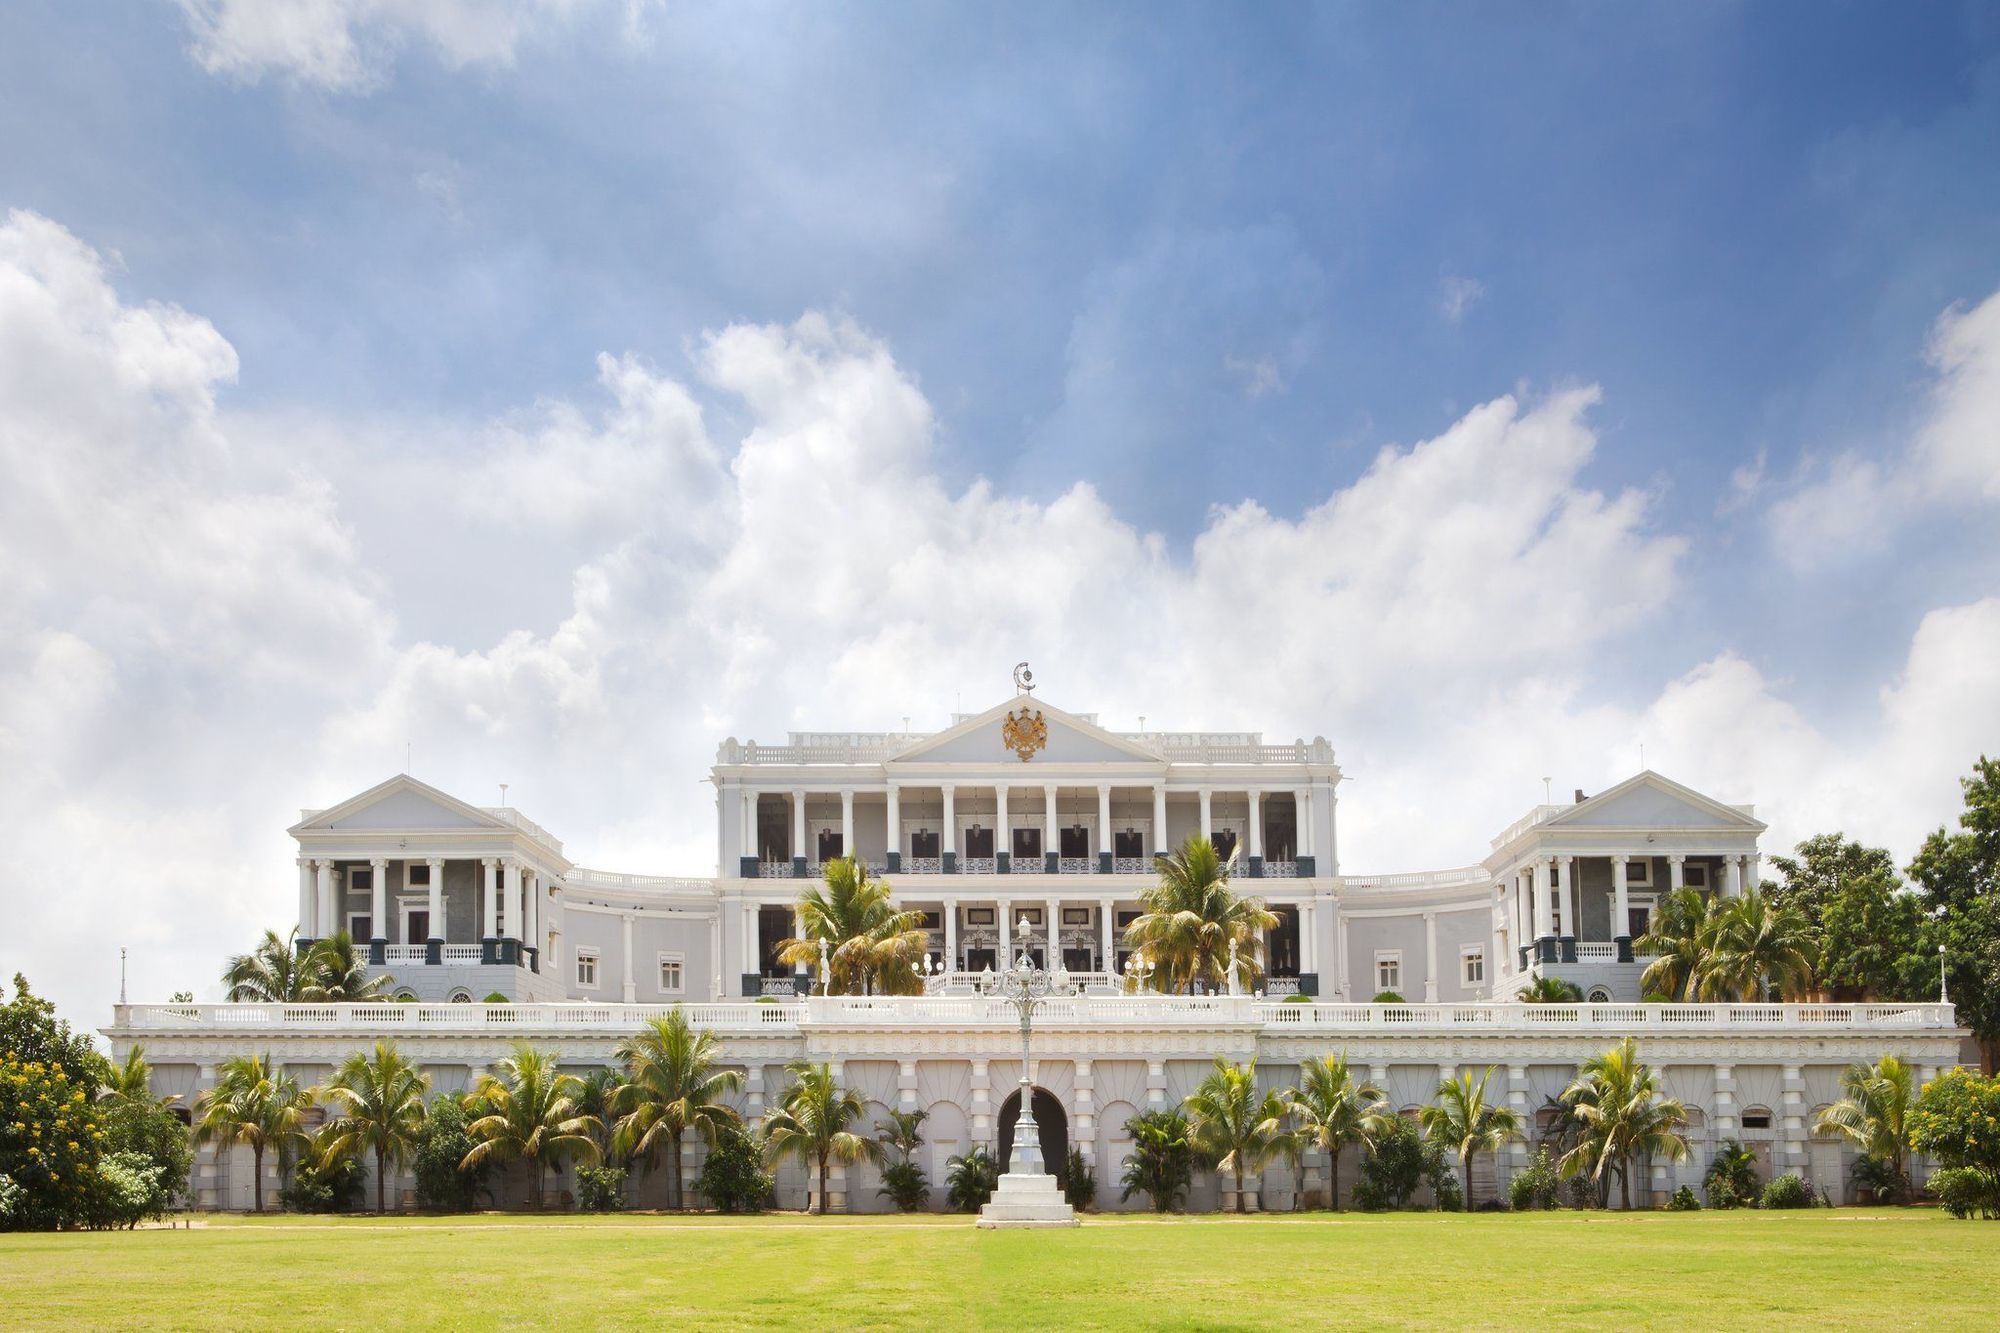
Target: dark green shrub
[1403,1161]
[1161,1163]
[970,1179]
[1967,1191]
[1536,1185]
[1297,999]
[324,1182]
[732,1178]
[442,1184]
[1879,1176]
[905,1184]
[495,997]
[152,1131]
[1789,1191]
[1388,997]
[600,1189]
[1684,1201]
[1081,1188]
[1731,1180]
[1957,1124]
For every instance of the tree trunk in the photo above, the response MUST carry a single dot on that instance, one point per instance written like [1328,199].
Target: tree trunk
[1333,1178]
[1625,1184]
[380,1171]
[674,1173]
[257,1174]
[538,1183]
[1467,1198]
[822,1184]
[1239,1187]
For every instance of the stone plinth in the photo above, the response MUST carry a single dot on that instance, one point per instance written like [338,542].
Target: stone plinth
[1023,1200]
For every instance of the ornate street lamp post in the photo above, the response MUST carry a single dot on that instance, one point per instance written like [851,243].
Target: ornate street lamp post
[1024,986]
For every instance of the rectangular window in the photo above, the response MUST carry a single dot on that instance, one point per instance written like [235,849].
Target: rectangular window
[1756,1120]
[418,873]
[978,844]
[670,974]
[1077,916]
[1695,876]
[1639,871]
[1027,844]
[924,844]
[1075,841]
[1472,967]
[586,968]
[1129,844]
[1388,971]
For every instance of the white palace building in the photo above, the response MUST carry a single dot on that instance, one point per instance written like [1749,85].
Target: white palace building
[1026,828]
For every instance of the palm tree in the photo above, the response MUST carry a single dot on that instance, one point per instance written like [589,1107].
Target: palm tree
[899,1137]
[1161,1160]
[382,1110]
[902,1133]
[873,946]
[337,973]
[253,1105]
[812,1125]
[274,972]
[1463,1121]
[1334,1110]
[528,1112]
[1231,1126]
[600,1087]
[1617,1101]
[1679,934]
[1549,990]
[1758,947]
[1191,919]
[1875,1114]
[671,1086]
[132,1082]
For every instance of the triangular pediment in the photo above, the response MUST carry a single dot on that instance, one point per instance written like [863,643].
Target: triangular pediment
[1651,801]
[1065,739]
[401,803]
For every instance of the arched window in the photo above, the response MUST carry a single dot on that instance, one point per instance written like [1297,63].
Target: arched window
[1599,995]
[461,997]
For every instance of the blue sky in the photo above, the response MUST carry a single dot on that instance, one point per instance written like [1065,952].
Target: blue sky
[1189,256]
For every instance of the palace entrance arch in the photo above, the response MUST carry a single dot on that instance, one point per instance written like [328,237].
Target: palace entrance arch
[1053,1124]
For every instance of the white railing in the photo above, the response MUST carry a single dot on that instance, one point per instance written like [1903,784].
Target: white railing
[1420,879]
[863,747]
[978,865]
[1595,951]
[509,815]
[1281,870]
[1085,1010]
[1132,865]
[584,879]
[1539,815]
[463,953]
[774,870]
[403,953]
[1077,865]
[1025,865]
[923,865]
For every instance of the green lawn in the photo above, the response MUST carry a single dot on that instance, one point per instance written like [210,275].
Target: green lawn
[1707,1270]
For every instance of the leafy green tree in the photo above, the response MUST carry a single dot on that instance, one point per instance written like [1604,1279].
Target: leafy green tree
[49,1143]
[126,1188]
[275,972]
[1404,1160]
[872,945]
[1819,870]
[1464,1123]
[381,1101]
[529,1114]
[903,1180]
[1757,948]
[1161,1162]
[444,1183]
[255,1105]
[30,1029]
[328,1176]
[1731,1179]
[1233,1128]
[136,1122]
[1957,1123]
[1191,919]
[1958,878]
[1334,1109]
[1866,928]
[337,973]
[732,1178]
[970,1179]
[812,1125]
[672,1085]
[1623,1115]
[1875,1117]
[1536,1185]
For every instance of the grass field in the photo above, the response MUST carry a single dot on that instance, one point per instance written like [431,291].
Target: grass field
[1849,1267]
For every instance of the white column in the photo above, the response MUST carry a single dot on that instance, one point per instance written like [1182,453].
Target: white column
[1302,801]
[532,890]
[799,825]
[749,821]
[847,847]
[893,832]
[1106,915]
[1256,822]
[510,927]
[329,899]
[1545,903]
[1571,899]
[1308,936]
[951,934]
[1051,839]
[437,899]
[1620,907]
[1004,910]
[1732,876]
[948,836]
[1105,841]
[1430,957]
[1003,838]
[625,934]
[1207,824]
[1753,877]
[1341,954]
[308,916]
[1676,871]
[378,899]
[1052,923]
[751,962]
[1160,846]
[492,903]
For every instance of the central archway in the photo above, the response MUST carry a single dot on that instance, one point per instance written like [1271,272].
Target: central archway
[1053,1124]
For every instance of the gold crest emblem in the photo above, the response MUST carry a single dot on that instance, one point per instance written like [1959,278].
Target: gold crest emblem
[1025,732]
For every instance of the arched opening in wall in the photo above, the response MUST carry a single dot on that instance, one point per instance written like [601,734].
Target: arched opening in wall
[183,1114]
[461,997]
[1826,1160]
[1052,1127]
[1599,995]
[1757,1135]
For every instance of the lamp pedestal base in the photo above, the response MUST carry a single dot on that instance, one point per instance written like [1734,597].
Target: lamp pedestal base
[1024,1200]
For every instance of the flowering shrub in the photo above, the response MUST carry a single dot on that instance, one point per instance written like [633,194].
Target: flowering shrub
[1789,1191]
[49,1137]
[1957,1121]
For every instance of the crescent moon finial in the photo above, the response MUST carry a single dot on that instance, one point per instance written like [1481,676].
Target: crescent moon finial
[1024,679]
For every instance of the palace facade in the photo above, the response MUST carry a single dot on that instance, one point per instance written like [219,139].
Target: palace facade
[1028,829]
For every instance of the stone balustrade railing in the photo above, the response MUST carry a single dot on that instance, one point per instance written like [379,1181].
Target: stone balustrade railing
[1155,1011]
